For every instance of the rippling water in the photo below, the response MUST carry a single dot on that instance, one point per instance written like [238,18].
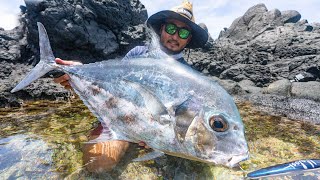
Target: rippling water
[44,140]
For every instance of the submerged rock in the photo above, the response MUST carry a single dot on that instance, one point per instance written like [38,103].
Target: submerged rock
[59,136]
[26,156]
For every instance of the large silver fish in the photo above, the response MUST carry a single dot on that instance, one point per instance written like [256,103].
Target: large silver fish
[173,109]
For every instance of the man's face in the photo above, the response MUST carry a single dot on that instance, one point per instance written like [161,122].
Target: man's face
[173,43]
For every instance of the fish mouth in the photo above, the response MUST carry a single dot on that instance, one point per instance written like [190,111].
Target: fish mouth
[229,160]
[235,159]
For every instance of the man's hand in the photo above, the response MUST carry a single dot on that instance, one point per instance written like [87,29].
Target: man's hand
[143,144]
[64,79]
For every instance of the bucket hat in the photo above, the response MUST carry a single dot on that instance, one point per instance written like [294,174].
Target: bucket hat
[183,13]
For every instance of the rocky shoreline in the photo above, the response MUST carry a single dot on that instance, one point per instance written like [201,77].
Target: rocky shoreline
[270,58]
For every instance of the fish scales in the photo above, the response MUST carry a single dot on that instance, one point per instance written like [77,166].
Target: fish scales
[171,107]
[163,75]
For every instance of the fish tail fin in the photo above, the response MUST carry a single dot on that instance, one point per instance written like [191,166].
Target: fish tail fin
[46,63]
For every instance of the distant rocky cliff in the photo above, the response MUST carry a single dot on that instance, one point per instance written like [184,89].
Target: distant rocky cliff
[270,58]
[264,46]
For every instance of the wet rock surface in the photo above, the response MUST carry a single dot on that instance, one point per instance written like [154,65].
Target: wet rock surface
[292,108]
[264,53]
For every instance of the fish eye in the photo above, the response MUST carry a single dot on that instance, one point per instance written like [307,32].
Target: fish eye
[218,123]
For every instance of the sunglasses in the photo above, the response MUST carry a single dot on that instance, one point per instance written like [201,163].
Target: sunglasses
[172,29]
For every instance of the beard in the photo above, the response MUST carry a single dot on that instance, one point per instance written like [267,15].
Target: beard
[169,51]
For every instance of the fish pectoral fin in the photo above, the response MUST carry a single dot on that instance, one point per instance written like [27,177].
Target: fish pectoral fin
[106,135]
[152,155]
[189,102]
[151,101]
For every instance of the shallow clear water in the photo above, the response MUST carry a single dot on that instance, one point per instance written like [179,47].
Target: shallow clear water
[44,140]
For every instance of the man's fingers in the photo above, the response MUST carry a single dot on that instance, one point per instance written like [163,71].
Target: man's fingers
[62,78]
[67,87]
[66,62]
[60,61]
[141,143]
[65,83]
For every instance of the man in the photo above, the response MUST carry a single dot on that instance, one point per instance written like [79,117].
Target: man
[177,30]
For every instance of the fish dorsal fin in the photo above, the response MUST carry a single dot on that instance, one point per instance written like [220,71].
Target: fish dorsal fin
[152,155]
[154,47]
[152,103]
[157,54]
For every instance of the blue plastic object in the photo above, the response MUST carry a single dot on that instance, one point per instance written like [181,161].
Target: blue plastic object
[287,168]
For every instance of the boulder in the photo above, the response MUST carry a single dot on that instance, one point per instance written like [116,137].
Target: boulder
[290,16]
[306,90]
[249,87]
[281,87]
[230,86]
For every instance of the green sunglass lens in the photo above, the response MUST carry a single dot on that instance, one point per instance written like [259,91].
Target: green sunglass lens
[171,29]
[184,33]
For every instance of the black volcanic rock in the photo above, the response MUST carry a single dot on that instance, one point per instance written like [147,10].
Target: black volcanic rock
[88,30]
[257,20]
[263,46]
[269,51]
[13,43]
